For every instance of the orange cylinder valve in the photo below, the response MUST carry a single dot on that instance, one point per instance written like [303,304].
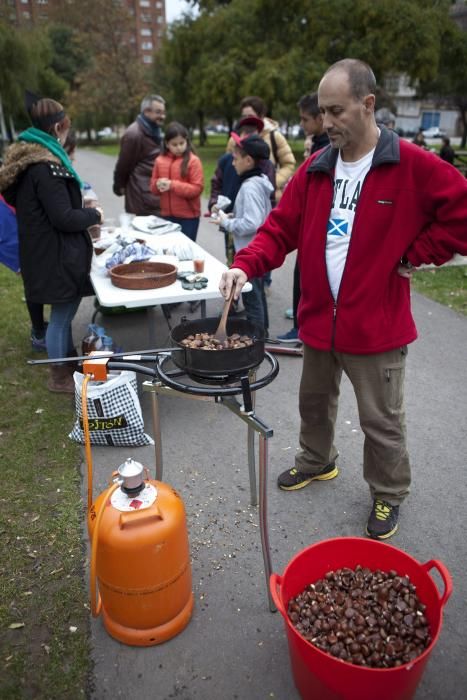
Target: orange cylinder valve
[140,558]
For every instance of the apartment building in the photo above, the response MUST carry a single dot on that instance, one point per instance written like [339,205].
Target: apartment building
[149,20]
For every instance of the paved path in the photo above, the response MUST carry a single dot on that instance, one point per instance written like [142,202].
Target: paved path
[234,648]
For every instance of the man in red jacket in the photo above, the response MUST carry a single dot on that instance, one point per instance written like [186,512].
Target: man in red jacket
[362,213]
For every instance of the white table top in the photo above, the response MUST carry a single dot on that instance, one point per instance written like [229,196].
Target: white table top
[109,295]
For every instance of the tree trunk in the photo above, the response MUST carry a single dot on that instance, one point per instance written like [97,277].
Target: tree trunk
[4,132]
[12,128]
[202,132]
[464,128]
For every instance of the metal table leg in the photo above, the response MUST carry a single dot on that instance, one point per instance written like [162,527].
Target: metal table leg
[263,515]
[156,422]
[251,466]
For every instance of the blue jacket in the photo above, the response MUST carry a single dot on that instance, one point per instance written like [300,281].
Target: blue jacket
[9,254]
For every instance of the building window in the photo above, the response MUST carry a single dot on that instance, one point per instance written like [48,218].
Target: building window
[26,14]
[144,3]
[147,59]
[146,45]
[145,18]
[430,119]
[160,32]
[25,2]
[146,32]
[160,19]
[42,2]
[159,5]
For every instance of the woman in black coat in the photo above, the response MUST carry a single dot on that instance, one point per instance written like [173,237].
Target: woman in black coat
[55,248]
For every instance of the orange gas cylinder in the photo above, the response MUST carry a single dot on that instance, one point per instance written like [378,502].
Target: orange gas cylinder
[140,557]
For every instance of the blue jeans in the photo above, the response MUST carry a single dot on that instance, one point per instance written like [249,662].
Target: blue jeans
[59,339]
[255,304]
[189,226]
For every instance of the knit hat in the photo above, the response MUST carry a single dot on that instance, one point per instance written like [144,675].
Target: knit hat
[252,145]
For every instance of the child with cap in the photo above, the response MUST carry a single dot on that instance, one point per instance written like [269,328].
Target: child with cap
[252,205]
[225,180]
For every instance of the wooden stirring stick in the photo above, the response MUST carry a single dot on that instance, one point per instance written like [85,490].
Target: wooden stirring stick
[221,332]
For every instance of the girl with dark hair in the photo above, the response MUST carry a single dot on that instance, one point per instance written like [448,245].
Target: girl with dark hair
[55,249]
[178,178]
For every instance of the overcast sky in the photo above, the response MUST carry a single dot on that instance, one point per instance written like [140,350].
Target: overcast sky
[174,8]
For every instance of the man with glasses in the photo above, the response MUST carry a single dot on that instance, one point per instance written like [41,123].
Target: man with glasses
[139,147]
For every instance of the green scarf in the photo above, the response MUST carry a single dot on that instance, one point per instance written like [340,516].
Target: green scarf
[33,135]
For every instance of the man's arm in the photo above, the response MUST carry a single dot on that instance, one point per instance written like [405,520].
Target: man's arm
[127,161]
[446,235]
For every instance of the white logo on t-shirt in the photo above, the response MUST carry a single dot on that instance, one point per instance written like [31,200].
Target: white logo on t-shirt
[348,182]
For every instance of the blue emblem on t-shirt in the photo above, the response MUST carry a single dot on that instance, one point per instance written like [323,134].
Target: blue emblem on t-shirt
[337,227]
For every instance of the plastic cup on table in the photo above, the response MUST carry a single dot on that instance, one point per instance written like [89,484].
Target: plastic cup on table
[198,263]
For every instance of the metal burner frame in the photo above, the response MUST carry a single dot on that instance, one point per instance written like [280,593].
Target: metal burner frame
[169,384]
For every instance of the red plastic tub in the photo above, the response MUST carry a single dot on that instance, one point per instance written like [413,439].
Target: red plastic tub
[320,676]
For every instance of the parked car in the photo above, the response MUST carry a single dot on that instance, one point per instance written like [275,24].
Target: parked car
[106,133]
[434,132]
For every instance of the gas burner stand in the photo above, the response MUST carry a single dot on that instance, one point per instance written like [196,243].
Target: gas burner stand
[171,383]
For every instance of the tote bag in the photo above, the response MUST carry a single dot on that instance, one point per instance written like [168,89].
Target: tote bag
[114,412]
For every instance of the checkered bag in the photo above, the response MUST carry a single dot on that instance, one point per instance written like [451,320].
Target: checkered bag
[114,412]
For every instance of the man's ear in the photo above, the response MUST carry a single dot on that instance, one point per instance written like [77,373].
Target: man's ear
[369,103]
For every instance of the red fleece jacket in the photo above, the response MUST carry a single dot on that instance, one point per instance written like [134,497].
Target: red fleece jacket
[412,204]
[184,197]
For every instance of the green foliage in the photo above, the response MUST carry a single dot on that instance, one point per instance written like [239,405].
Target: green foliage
[28,55]
[449,80]
[280,50]
[68,56]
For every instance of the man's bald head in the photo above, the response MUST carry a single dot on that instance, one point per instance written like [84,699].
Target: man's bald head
[361,78]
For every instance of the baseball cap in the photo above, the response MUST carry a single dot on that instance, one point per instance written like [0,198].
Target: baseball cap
[251,121]
[252,145]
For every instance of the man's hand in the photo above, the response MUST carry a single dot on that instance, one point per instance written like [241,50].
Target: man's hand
[235,277]
[406,271]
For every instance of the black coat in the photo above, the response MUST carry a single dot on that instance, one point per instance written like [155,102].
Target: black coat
[54,245]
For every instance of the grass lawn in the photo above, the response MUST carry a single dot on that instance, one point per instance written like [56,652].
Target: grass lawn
[44,616]
[446,285]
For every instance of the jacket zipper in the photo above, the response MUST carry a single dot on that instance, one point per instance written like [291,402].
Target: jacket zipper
[169,192]
[335,301]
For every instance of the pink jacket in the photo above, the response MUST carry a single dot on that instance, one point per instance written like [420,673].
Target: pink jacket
[184,197]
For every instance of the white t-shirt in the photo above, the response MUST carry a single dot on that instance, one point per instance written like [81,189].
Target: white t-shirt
[348,182]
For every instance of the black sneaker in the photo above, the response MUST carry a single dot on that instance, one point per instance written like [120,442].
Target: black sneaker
[292,479]
[382,522]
